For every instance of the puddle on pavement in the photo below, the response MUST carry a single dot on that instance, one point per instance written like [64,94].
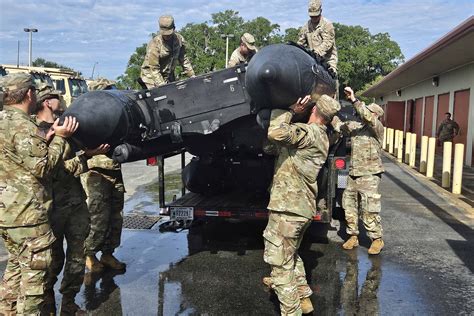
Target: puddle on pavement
[217,269]
[145,199]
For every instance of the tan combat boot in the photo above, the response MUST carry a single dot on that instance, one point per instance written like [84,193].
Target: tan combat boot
[93,265]
[351,243]
[306,305]
[69,307]
[376,247]
[111,262]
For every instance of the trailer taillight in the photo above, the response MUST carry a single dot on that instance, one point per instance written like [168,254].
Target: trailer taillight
[152,161]
[340,164]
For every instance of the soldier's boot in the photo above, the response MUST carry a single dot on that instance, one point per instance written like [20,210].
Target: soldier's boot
[49,305]
[70,308]
[306,305]
[94,265]
[267,281]
[351,243]
[376,246]
[111,262]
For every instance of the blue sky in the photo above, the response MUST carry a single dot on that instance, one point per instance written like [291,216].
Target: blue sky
[78,33]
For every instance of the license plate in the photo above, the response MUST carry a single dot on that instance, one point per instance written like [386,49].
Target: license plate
[181,213]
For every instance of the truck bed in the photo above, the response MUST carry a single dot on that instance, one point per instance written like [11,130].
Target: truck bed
[236,204]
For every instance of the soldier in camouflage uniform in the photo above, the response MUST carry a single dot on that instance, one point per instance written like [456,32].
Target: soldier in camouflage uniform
[105,197]
[244,52]
[26,165]
[302,150]
[69,216]
[447,130]
[364,174]
[318,36]
[163,54]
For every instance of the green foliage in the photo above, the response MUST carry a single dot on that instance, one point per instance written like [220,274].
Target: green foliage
[291,35]
[367,86]
[41,62]
[129,79]
[363,57]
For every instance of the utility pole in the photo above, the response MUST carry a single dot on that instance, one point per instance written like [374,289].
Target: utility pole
[30,48]
[227,36]
[93,69]
[18,56]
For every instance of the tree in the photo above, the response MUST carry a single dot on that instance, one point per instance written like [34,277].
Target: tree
[263,30]
[367,86]
[41,62]
[129,79]
[363,56]
[291,35]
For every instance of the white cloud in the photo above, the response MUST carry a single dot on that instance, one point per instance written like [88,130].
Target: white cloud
[78,33]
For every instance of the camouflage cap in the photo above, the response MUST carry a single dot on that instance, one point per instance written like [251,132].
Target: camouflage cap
[314,8]
[249,41]
[45,91]
[100,84]
[17,81]
[328,106]
[166,23]
[375,108]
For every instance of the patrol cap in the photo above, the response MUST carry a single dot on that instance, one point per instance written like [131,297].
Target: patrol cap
[166,23]
[100,84]
[328,106]
[17,81]
[45,91]
[314,8]
[375,108]
[249,41]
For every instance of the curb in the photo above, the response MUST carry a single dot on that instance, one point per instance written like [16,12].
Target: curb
[446,195]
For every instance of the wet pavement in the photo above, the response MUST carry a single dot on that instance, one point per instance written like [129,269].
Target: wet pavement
[216,268]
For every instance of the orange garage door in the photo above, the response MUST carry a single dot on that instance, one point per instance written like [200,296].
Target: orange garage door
[394,114]
[461,116]
[428,119]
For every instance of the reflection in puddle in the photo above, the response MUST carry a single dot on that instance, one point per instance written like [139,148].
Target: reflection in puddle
[101,288]
[216,269]
[364,302]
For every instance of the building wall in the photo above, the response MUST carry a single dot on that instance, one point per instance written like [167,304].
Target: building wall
[450,83]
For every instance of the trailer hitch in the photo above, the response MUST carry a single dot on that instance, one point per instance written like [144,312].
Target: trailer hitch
[175,225]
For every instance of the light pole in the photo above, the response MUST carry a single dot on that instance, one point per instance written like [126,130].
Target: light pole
[93,69]
[30,48]
[227,36]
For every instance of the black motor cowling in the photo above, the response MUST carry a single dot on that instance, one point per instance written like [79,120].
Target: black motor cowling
[279,74]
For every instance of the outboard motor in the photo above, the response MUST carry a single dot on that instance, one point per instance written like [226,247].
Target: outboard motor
[279,74]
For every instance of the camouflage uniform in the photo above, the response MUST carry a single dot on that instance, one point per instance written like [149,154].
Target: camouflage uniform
[302,150]
[446,131]
[69,218]
[320,38]
[105,196]
[236,57]
[162,56]
[26,163]
[364,173]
